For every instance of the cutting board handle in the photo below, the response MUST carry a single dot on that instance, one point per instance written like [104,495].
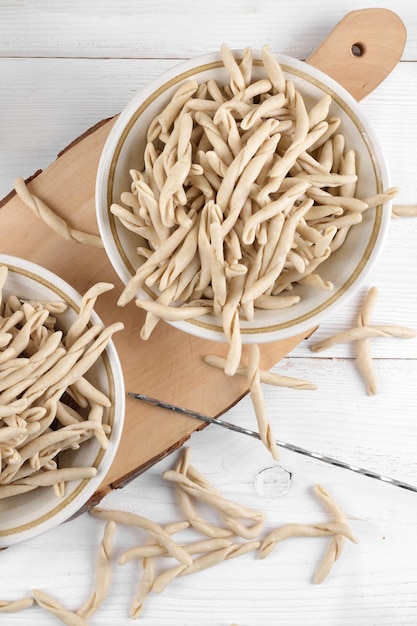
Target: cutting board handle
[362,49]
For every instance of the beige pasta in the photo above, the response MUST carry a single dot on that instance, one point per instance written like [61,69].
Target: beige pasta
[104,573]
[337,542]
[361,336]
[51,606]
[267,377]
[155,530]
[56,223]
[404,210]
[244,193]
[258,401]
[363,346]
[13,606]
[43,371]
[338,530]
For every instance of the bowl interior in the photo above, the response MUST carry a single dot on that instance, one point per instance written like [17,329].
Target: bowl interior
[346,268]
[26,515]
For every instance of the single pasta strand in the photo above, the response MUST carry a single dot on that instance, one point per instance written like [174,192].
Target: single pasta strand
[303,530]
[144,588]
[337,542]
[230,511]
[404,210]
[51,606]
[55,222]
[364,332]
[13,606]
[363,346]
[270,378]
[104,573]
[132,519]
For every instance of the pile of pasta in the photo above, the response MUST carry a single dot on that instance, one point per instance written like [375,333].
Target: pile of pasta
[163,558]
[47,403]
[244,192]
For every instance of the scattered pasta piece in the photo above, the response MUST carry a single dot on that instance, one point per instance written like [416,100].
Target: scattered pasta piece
[337,543]
[51,606]
[191,555]
[258,402]
[156,531]
[231,512]
[404,210]
[267,377]
[338,530]
[103,573]
[13,606]
[255,376]
[56,223]
[360,335]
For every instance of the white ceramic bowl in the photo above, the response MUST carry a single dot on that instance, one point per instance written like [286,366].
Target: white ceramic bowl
[347,268]
[27,515]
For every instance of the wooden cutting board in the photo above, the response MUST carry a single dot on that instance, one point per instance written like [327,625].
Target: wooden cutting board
[169,366]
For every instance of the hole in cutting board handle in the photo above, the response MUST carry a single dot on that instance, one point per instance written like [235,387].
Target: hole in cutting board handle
[358,49]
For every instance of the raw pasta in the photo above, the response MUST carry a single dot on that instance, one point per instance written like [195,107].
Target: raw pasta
[103,573]
[404,210]
[258,401]
[51,606]
[58,224]
[361,335]
[13,606]
[338,530]
[244,192]
[337,543]
[42,379]
[161,548]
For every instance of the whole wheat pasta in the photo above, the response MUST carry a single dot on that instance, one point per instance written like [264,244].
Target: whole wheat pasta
[55,222]
[104,573]
[51,606]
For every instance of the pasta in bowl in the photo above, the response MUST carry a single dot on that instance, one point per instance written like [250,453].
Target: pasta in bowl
[242,197]
[61,399]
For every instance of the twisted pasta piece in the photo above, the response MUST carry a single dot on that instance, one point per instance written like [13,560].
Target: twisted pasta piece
[56,223]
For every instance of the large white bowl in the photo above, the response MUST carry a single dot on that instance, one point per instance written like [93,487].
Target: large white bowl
[25,516]
[347,268]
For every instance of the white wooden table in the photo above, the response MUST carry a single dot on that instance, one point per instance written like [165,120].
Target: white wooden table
[63,67]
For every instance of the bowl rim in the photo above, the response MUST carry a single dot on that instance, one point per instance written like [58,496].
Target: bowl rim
[185,70]
[72,503]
